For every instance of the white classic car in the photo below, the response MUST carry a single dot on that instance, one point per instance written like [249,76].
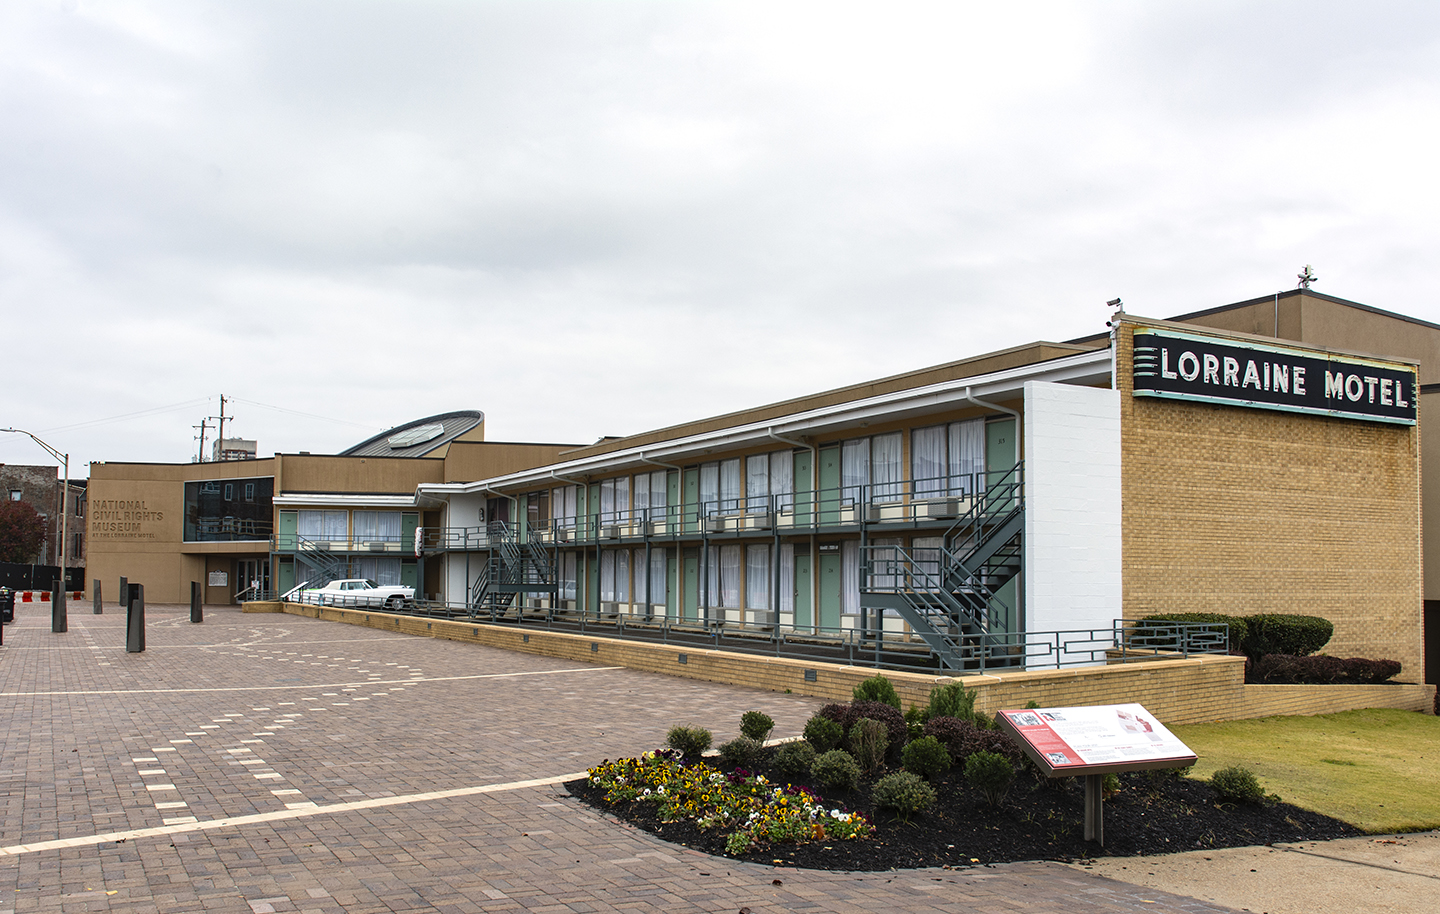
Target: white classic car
[357,592]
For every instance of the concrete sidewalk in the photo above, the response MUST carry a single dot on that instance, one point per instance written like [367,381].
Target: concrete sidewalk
[270,763]
[1388,874]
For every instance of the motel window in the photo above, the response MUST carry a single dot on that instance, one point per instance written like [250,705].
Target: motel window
[871,462]
[720,486]
[323,526]
[377,527]
[724,576]
[757,483]
[650,496]
[850,577]
[787,577]
[614,499]
[568,575]
[564,501]
[947,459]
[657,592]
[757,576]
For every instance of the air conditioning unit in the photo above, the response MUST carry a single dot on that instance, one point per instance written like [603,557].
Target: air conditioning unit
[873,514]
[610,609]
[377,547]
[323,547]
[937,509]
[714,525]
[609,531]
[762,521]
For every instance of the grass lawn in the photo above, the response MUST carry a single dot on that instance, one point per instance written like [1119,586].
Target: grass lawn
[1378,769]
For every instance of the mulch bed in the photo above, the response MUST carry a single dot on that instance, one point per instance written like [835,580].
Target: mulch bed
[1038,821]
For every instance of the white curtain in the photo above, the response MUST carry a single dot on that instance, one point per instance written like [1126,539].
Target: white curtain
[622,498]
[782,479]
[622,576]
[642,496]
[607,576]
[730,486]
[383,571]
[885,471]
[787,577]
[377,526]
[967,455]
[607,500]
[886,557]
[927,461]
[926,552]
[850,577]
[712,577]
[757,577]
[563,503]
[657,574]
[323,525]
[854,467]
[730,576]
[757,483]
[709,488]
[658,490]
[568,575]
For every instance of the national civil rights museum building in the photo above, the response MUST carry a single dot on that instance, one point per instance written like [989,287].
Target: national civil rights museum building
[1263,456]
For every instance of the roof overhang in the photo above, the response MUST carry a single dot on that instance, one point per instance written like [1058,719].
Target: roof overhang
[325,500]
[1088,368]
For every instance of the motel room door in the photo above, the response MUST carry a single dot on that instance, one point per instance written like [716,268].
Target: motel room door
[803,615]
[829,591]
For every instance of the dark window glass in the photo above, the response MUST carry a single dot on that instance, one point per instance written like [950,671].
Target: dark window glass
[213,515]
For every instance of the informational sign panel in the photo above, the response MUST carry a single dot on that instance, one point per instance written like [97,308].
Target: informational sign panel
[1094,740]
[219,578]
[1185,366]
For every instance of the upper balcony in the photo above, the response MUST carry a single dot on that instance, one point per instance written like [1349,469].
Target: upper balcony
[881,509]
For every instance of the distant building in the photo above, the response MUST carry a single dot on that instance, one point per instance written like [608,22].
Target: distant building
[235,449]
[40,488]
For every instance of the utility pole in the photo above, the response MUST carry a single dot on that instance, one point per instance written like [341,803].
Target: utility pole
[58,622]
[220,438]
[204,424]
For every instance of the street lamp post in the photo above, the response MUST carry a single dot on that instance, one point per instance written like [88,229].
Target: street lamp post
[58,620]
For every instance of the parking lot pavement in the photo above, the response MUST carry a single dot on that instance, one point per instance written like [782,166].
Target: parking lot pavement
[259,763]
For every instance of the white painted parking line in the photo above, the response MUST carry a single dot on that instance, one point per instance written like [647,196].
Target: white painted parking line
[279,815]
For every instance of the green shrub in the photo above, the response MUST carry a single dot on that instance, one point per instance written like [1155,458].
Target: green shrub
[1238,627]
[756,725]
[823,733]
[868,743]
[876,688]
[962,737]
[1238,784]
[836,769]
[742,752]
[925,757]
[1280,634]
[794,759]
[903,792]
[915,719]
[991,774]
[689,740]
[894,721]
[953,700]
[1110,785]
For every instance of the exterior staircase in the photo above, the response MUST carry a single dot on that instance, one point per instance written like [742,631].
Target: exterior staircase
[951,604]
[512,570]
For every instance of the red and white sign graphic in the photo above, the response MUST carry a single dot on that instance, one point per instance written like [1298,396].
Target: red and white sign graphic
[1111,736]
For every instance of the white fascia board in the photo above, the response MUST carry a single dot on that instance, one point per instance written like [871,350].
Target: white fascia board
[344,501]
[1087,367]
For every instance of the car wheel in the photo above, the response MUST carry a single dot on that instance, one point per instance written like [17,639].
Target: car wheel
[393,603]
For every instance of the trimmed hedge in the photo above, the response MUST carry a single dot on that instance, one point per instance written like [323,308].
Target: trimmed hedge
[1238,626]
[1276,634]
[1278,669]
[1266,633]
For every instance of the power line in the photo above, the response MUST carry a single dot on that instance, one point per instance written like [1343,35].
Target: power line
[135,415]
[296,412]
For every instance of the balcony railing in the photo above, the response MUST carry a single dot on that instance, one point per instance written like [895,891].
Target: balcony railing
[923,504]
[322,543]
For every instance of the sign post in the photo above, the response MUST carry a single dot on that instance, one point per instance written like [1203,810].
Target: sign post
[135,619]
[1093,742]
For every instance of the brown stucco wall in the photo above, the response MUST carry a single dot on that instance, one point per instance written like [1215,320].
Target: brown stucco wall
[1237,510]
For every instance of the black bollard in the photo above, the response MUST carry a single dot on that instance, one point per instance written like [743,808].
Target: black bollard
[123,595]
[59,621]
[135,620]
[197,614]
[99,606]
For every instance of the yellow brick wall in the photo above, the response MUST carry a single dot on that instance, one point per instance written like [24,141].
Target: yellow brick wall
[1176,691]
[1242,511]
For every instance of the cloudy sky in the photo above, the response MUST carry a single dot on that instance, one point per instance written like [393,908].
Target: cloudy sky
[598,218]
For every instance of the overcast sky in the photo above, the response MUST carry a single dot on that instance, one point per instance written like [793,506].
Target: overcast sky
[592,219]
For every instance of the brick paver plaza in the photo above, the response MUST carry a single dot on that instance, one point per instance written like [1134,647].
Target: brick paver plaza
[259,763]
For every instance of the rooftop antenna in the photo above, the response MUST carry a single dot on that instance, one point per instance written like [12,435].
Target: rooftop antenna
[1306,277]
